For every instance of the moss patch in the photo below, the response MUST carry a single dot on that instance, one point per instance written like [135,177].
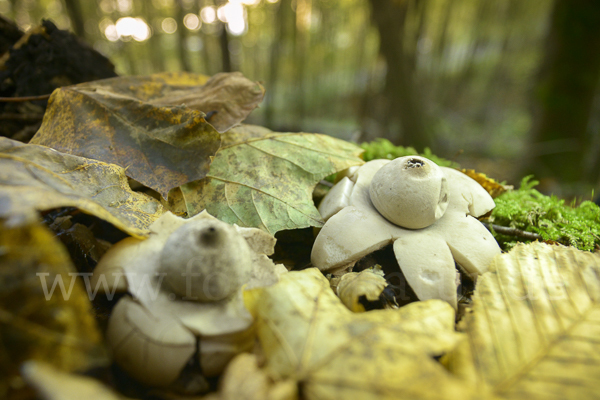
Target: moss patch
[528,210]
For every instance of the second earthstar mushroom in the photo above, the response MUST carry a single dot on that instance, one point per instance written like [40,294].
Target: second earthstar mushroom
[185,282]
[427,212]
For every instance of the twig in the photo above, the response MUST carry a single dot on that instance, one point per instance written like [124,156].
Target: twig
[505,230]
[21,117]
[25,98]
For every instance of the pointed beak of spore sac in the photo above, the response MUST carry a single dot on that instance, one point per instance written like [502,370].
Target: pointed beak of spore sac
[210,237]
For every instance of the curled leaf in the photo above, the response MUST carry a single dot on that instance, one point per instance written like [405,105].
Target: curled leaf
[227,97]
[38,178]
[152,126]
[356,287]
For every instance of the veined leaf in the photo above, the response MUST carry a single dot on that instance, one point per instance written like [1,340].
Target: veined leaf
[309,336]
[152,126]
[534,331]
[38,178]
[266,180]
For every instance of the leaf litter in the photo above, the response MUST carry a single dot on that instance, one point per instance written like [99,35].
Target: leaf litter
[309,336]
[59,329]
[530,331]
[154,127]
[37,178]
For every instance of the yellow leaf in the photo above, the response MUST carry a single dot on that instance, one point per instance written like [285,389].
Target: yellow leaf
[38,178]
[490,185]
[534,330]
[366,284]
[36,321]
[54,384]
[243,379]
[309,336]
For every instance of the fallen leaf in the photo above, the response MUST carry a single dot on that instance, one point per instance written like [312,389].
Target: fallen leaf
[227,97]
[45,313]
[367,285]
[152,126]
[267,181]
[534,327]
[309,336]
[54,384]
[243,132]
[243,379]
[39,178]
[494,188]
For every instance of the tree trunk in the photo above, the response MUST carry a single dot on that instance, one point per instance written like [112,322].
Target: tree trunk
[276,49]
[403,103]
[182,37]
[564,92]
[76,16]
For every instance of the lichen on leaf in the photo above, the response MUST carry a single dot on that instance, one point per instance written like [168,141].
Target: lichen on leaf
[37,178]
[153,126]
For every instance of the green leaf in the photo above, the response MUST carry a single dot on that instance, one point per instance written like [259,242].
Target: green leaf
[266,181]
[152,126]
[534,326]
[35,177]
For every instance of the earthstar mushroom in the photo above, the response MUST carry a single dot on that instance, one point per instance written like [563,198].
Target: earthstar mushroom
[411,192]
[186,282]
[429,217]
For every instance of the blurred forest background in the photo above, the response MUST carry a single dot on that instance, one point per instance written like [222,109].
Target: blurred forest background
[509,87]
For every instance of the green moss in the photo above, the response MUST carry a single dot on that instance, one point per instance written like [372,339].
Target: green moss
[529,210]
[383,148]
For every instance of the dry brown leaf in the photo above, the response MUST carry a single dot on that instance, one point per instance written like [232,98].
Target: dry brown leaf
[152,126]
[534,327]
[227,97]
[38,178]
[310,337]
[34,323]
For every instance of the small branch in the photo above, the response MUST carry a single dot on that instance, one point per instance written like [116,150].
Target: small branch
[21,117]
[505,230]
[21,99]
